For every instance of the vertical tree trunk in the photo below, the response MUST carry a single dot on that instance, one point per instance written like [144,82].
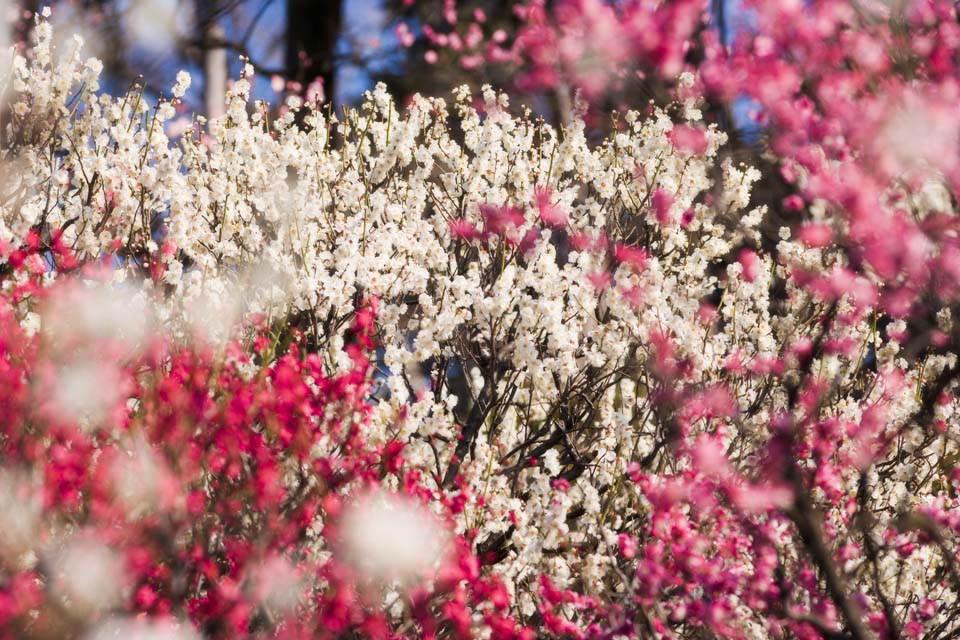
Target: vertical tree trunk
[215,67]
[214,71]
[312,31]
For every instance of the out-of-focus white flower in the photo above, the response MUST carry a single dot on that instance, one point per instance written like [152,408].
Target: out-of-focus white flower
[143,629]
[153,24]
[87,576]
[277,585]
[214,314]
[388,537]
[84,390]
[140,480]
[97,316]
[20,514]
[267,287]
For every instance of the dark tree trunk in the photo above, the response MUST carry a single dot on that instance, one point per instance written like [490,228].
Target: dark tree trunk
[313,27]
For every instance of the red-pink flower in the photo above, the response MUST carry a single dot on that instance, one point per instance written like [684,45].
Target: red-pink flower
[688,139]
[551,214]
[749,263]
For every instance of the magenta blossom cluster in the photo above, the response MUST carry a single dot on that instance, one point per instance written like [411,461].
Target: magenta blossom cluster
[223,491]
